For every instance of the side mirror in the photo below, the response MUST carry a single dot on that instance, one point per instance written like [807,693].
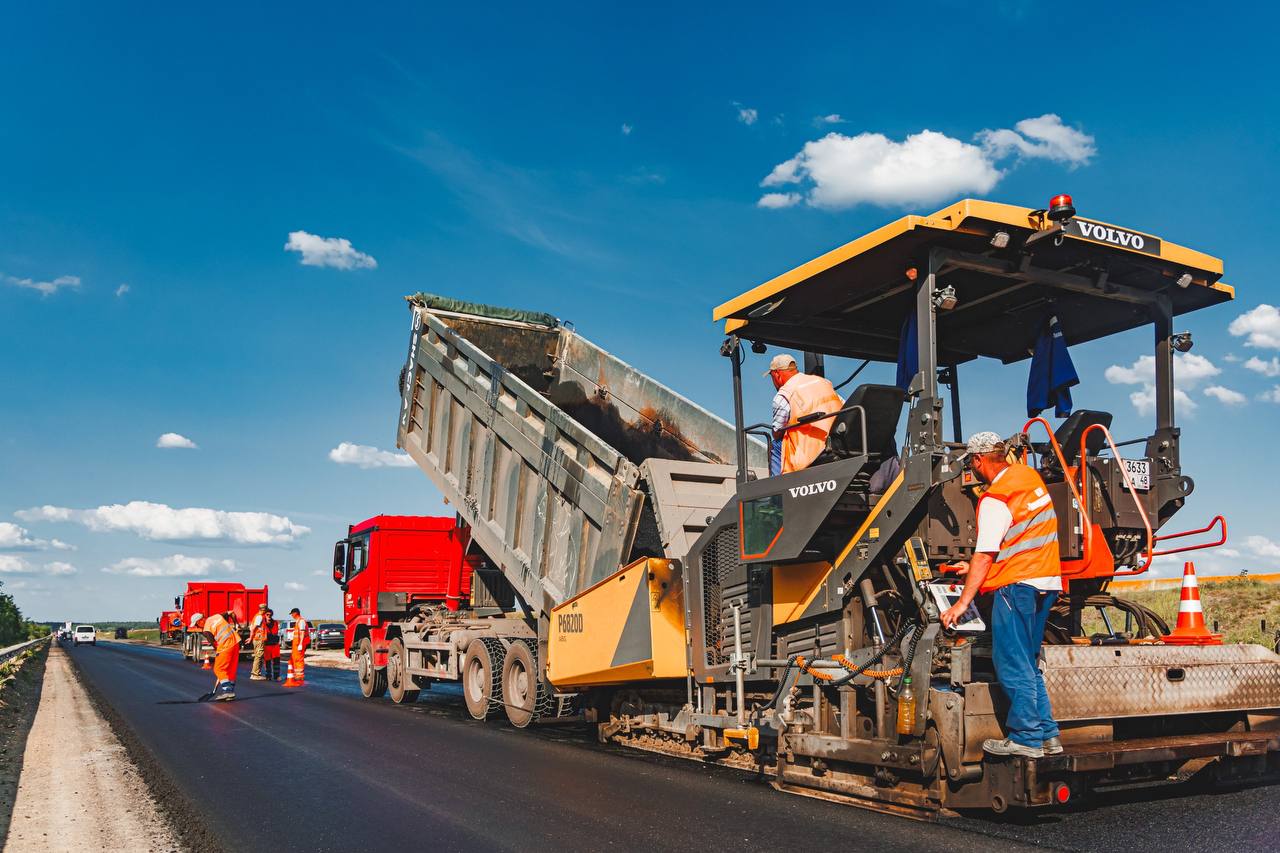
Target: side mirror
[340,562]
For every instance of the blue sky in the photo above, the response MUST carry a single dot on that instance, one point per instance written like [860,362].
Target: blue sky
[602,166]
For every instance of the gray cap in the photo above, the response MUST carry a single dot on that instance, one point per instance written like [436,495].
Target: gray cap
[781,361]
[983,442]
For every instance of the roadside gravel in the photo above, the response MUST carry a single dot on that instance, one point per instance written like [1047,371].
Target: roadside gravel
[78,790]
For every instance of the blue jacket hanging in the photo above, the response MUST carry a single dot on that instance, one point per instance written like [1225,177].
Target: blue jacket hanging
[1052,373]
[908,352]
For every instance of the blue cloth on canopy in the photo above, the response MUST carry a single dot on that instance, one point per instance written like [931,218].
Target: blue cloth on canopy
[908,352]
[1052,373]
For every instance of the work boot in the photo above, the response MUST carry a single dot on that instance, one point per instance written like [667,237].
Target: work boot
[257,678]
[1008,747]
[1052,746]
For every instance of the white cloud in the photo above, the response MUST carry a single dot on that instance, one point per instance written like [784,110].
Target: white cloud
[368,457]
[1145,400]
[46,288]
[1262,546]
[1231,358]
[1044,138]
[1266,368]
[1225,395]
[834,118]
[871,168]
[294,586]
[11,565]
[176,565]
[1272,396]
[16,538]
[839,171]
[336,252]
[773,201]
[122,290]
[746,115]
[59,568]
[626,129]
[1260,327]
[164,523]
[1188,371]
[171,440]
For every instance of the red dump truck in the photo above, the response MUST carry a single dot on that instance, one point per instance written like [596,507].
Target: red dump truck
[209,597]
[170,625]
[395,572]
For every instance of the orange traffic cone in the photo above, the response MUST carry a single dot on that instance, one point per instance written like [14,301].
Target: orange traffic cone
[208,664]
[288,681]
[1190,630]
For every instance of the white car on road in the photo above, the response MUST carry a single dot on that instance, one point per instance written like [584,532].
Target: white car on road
[85,634]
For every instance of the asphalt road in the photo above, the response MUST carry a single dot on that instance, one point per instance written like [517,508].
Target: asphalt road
[324,769]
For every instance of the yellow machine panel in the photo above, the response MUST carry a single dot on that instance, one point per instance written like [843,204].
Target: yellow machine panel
[795,587]
[628,627]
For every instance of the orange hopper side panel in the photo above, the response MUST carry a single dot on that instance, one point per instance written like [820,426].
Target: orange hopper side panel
[1100,562]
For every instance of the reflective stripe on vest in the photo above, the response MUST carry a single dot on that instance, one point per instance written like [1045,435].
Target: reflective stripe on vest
[220,628]
[805,395]
[1030,546]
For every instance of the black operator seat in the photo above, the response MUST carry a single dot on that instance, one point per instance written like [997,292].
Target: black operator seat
[883,407]
[1069,431]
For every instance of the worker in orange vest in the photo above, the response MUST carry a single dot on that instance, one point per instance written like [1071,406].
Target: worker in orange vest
[1015,558]
[271,646]
[258,640]
[301,639]
[223,632]
[799,394]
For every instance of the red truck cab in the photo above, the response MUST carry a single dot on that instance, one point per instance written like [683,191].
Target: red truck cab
[170,624]
[390,566]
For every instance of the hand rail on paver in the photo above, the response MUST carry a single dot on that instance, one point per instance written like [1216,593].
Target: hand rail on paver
[14,651]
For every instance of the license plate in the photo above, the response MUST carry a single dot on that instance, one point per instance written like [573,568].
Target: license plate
[1139,471]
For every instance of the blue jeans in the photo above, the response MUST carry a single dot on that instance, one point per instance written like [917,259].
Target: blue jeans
[1018,616]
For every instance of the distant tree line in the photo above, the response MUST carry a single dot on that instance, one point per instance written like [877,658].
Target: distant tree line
[13,627]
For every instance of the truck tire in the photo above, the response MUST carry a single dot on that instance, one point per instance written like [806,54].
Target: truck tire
[397,677]
[522,690]
[482,676]
[373,681]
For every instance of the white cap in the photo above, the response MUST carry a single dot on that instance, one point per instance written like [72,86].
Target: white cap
[781,361]
[195,619]
[983,442]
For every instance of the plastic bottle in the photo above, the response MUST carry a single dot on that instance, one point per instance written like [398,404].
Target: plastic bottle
[906,708]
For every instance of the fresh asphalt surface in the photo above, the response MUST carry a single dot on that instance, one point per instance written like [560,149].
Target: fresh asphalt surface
[322,768]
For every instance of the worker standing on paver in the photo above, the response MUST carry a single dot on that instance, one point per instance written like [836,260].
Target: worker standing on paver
[799,394]
[223,632]
[258,639]
[271,646]
[1016,558]
[301,639]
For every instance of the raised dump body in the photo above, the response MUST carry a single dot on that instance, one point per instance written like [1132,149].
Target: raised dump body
[566,462]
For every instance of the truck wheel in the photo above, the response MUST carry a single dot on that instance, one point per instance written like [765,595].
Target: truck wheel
[397,676]
[482,676]
[373,681]
[522,689]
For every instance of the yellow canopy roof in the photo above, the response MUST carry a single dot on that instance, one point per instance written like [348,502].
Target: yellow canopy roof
[852,300]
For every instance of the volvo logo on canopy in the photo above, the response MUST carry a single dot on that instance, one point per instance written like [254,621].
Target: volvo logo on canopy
[1098,233]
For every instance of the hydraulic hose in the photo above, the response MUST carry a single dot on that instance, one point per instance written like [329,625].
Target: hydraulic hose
[892,642]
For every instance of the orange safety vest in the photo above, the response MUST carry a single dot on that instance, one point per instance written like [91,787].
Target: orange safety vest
[806,394]
[1030,547]
[221,630]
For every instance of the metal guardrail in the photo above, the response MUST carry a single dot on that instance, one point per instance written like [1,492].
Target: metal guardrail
[14,651]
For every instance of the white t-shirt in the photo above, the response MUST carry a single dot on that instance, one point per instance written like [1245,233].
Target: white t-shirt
[994,521]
